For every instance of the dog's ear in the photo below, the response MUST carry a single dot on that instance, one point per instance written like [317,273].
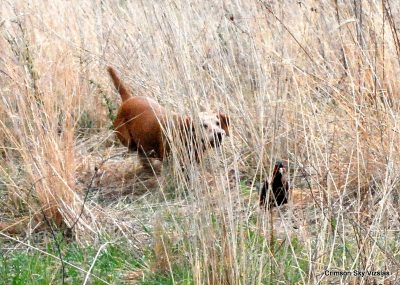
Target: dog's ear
[224,120]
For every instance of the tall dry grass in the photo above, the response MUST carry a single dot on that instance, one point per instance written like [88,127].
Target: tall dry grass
[311,82]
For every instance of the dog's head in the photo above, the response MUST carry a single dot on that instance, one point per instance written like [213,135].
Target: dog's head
[215,127]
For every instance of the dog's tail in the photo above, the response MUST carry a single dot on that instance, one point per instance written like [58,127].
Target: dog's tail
[119,85]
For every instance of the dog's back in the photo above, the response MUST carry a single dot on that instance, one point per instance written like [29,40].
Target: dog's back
[137,124]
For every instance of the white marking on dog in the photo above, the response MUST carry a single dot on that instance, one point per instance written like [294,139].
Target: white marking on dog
[211,125]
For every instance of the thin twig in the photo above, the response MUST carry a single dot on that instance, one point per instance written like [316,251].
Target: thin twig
[96,169]
[287,29]
[57,246]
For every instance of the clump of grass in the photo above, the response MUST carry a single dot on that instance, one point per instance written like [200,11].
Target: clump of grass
[108,103]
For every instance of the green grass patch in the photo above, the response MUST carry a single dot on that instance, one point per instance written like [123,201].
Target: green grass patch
[22,266]
[245,189]
[289,262]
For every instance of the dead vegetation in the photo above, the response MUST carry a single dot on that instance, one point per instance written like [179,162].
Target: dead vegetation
[311,82]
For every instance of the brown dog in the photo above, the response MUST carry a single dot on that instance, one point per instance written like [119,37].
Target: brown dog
[142,125]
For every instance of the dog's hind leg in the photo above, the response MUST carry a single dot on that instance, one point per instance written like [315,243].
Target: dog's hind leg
[146,159]
[122,131]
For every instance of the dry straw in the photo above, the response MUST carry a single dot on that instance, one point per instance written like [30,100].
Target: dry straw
[314,83]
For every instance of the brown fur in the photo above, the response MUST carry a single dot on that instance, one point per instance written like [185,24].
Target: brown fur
[224,122]
[119,85]
[141,123]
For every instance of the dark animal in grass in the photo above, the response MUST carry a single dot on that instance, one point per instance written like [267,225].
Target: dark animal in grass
[280,188]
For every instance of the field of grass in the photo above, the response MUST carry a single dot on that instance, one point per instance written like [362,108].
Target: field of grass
[312,83]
